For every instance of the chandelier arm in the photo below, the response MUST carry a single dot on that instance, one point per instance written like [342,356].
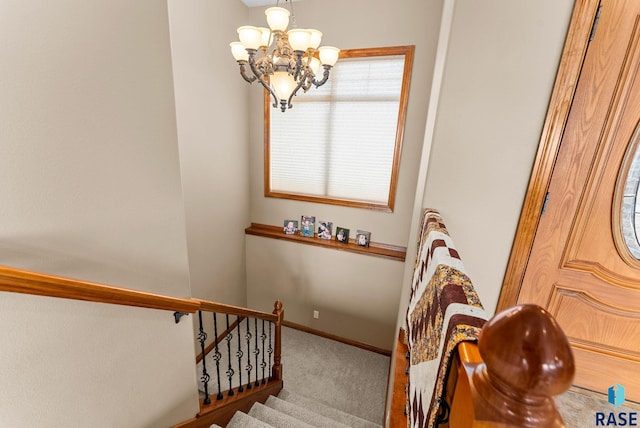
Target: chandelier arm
[260,76]
[243,72]
[268,88]
[252,64]
[293,93]
[298,64]
[325,77]
[307,85]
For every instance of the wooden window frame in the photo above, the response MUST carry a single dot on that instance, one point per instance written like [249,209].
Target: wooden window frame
[408,52]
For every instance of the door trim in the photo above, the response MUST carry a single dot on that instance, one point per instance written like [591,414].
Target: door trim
[571,61]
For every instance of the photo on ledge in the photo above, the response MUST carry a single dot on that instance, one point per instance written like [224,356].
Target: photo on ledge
[325,229]
[342,235]
[291,227]
[307,226]
[363,238]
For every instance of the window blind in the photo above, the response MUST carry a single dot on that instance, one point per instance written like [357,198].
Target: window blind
[338,140]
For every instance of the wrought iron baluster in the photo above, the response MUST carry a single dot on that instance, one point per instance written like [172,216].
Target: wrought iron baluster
[239,355]
[249,366]
[217,355]
[202,337]
[230,371]
[270,351]
[256,351]
[263,364]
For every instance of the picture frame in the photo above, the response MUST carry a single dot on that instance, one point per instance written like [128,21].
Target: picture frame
[342,235]
[325,229]
[307,226]
[290,227]
[363,238]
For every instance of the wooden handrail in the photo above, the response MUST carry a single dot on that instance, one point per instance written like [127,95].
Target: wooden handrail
[205,305]
[27,282]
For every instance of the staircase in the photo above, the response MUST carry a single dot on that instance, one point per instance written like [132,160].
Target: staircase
[241,383]
[289,410]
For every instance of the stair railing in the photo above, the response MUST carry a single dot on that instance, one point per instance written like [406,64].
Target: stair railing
[240,360]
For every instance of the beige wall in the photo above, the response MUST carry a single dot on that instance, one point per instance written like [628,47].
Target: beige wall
[90,188]
[67,363]
[211,105]
[497,81]
[89,171]
[352,24]
[315,278]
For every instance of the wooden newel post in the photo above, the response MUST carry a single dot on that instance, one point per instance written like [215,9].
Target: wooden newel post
[527,360]
[276,371]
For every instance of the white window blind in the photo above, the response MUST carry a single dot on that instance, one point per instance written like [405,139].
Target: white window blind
[338,140]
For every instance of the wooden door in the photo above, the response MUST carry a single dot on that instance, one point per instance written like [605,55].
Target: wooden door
[578,269]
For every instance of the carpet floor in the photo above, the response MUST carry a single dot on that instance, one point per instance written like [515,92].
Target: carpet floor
[579,409]
[342,376]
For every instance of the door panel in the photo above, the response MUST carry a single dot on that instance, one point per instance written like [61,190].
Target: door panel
[609,328]
[575,269]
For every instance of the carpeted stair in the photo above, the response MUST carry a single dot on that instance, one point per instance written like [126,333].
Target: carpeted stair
[289,410]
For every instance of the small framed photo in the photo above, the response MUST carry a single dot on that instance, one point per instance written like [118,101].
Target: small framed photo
[307,226]
[363,238]
[342,235]
[325,229]
[291,227]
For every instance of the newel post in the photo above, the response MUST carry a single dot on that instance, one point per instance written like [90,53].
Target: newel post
[277,356]
[527,361]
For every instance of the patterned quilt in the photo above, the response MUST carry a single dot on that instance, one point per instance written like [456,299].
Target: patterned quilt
[444,310]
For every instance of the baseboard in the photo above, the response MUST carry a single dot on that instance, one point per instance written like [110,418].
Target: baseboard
[337,338]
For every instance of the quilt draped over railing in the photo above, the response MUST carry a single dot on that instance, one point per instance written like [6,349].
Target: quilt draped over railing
[443,311]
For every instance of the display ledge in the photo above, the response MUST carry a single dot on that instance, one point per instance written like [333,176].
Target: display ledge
[388,251]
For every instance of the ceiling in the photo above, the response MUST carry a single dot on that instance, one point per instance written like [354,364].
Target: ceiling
[252,3]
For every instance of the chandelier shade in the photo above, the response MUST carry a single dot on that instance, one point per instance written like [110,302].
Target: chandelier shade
[277,18]
[283,61]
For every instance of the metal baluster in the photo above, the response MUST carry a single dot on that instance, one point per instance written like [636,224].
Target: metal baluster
[239,355]
[263,364]
[217,355]
[270,351]
[249,366]
[256,351]
[202,337]
[230,370]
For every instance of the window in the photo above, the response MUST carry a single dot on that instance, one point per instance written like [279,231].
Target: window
[340,143]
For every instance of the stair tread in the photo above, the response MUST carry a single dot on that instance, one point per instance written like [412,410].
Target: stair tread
[302,413]
[326,410]
[243,420]
[276,418]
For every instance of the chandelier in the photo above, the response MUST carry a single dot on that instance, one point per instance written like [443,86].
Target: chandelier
[288,60]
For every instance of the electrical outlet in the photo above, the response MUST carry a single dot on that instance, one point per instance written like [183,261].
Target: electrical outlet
[316,314]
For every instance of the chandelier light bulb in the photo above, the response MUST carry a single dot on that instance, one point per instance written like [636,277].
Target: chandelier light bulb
[299,39]
[329,55]
[283,84]
[316,37]
[239,52]
[250,37]
[314,64]
[277,18]
[266,37]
